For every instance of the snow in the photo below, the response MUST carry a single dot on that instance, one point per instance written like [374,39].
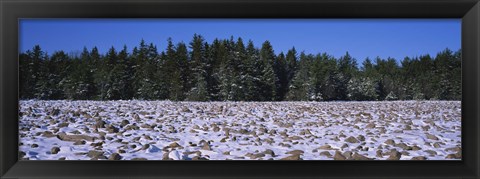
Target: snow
[253,127]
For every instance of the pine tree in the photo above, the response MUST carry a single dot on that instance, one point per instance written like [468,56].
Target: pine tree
[198,92]
[268,78]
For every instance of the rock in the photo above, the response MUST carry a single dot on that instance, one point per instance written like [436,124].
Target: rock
[403,146]
[223,140]
[357,156]
[73,138]
[95,154]
[326,153]
[415,148]
[431,137]
[34,145]
[124,123]
[431,152]
[256,156]
[145,147]
[186,110]
[115,156]
[206,146]
[100,124]
[76,132]
[62,158]
[174,145]
[292,157]
[370,126]
[80,142]
[361,138]
[351,140]
[379,154]
[394,155]
[295,152]
[325,147]
[436,145]
[344,146]
[339,156]
[48,134]
[419,158]
[165,156]
[64,124]
[389,142]
[243,131]
[454,149]
[269,152]
[55,150]
[226,153]
[453,156]
[139,159]
[112,129]
[348,154]
[122,151]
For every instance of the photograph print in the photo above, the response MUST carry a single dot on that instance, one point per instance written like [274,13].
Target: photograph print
[240,89]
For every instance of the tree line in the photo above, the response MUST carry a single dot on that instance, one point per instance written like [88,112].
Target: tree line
[229,70]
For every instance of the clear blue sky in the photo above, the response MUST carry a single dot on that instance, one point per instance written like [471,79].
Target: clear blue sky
[362,38]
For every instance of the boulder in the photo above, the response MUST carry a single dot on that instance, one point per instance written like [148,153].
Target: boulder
[115,156]
[55,150]
[431,137]
[394,155]
[292,157]
[74,138]
[339,156]
[269,152]
[351,139]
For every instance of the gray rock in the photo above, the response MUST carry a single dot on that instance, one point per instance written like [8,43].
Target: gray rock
[124,123]
[95,154]
[339,156]
[48,134]
[139,158]
[206,146]
[326,153]
[174,145]
[431,152]
[390,142]
[357,156]
[269,152]
[419,158]
[431,137]
[295,152]
[80,142]
[55,150]
[351,140]
[394,155]
[325,147]
[361,138]
[292,157]
[100,124]
[64,124]
[73,138]
[115,156]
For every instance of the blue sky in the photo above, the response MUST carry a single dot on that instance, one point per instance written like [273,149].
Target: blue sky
[362,38]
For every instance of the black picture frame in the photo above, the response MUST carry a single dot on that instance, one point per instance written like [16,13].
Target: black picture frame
[12,10]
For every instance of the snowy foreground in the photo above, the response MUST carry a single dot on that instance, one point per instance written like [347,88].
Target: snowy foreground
[164,130]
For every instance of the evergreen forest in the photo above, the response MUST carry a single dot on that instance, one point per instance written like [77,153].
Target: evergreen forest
[233,70]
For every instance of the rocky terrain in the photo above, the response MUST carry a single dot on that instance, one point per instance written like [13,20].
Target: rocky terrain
[165,130]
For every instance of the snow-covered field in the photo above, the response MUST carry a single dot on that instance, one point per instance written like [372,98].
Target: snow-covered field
[163,130]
